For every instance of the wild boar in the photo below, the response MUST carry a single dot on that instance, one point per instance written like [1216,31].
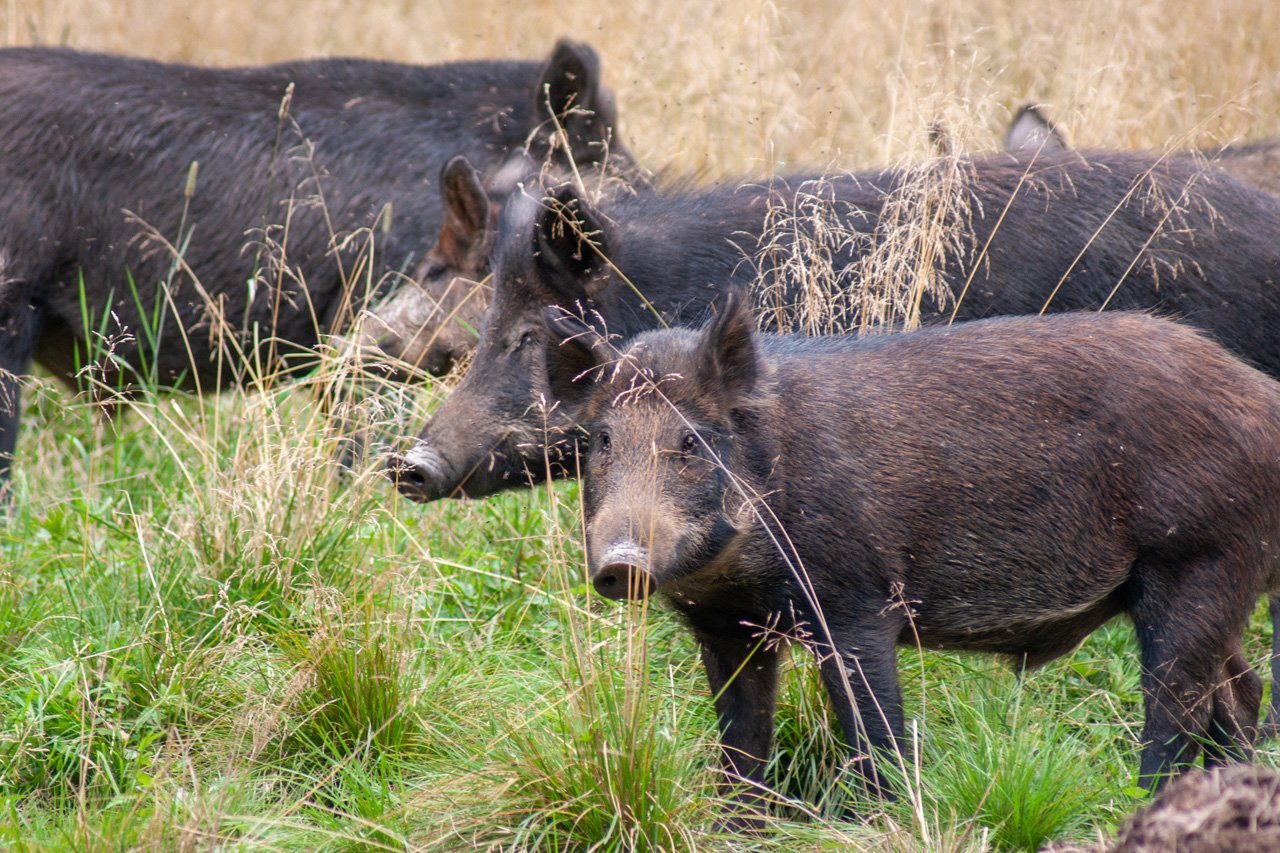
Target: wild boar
[1053,232]
[432,322]
[1002,486]
[313,195]
[1254,163]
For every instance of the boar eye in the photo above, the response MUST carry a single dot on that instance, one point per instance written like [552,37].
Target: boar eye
[690,442]
[523,342]
[602,441]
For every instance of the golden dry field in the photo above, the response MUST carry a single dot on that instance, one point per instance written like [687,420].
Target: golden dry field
[730,88]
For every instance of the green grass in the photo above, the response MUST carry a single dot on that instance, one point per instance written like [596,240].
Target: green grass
[213,638]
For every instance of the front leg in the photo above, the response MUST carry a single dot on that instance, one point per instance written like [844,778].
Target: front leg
[20,326]
[743,672]
[860,671]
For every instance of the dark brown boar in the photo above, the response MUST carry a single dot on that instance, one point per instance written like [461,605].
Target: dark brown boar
[1000,486]
[314,195]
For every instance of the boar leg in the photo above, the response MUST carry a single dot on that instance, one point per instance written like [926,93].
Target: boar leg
[1235,713]
[743,672]
[1184,655]
[19,327]
[1271,728]
[861,678]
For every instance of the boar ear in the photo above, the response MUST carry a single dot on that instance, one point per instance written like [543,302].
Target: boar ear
[1030,132]
[941,140]
[570,247]
[574,351]
[570,91]
[466,212]
[727,353]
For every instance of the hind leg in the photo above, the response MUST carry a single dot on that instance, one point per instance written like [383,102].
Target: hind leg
[1235,713]
[1186,649]
[1178,704]
[1271,728]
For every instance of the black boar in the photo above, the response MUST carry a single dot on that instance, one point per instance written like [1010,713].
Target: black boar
[313,194]
[1253,163]
[1001,486]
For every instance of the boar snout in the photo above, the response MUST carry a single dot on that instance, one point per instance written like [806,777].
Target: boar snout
[436,358]
[421,474]
[623,573]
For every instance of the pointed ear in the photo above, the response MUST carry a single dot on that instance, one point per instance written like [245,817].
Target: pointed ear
[727,359]
[574,352]
[570,246]
[940,139]
[1030,133]
[570,91]
[466,212]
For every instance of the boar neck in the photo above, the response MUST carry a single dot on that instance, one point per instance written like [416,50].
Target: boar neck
[760,581]
[749,581]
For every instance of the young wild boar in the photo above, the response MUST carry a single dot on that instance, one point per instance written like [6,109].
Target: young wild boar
[314,193]
[1000,486]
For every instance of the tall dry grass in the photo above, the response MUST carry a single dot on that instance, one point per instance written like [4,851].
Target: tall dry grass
[729,87]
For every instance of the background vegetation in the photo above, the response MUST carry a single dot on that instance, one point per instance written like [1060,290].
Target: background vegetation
[211,638]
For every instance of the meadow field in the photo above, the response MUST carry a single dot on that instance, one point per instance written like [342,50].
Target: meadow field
[213,637]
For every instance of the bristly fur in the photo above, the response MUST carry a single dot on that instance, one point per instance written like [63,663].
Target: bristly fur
[1004,486]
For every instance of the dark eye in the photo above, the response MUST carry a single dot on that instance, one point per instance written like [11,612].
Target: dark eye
[523,342]
[602,441]
[690,442]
